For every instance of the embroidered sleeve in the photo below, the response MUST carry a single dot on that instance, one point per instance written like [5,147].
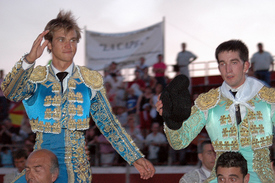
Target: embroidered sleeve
[16,85]
[181,138]
[268,94]
[111,128]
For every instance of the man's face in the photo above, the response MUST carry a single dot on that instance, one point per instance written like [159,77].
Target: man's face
[208,156]
[155,128]
[231,175]
[20,164]
[38,169]
[232,68]
[63,46]
[183,46]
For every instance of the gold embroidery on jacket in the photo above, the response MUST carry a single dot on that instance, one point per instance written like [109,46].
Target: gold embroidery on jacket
[267,94]
[78,167]
[261,165]
[91,78]
[38,74]
[226,145]
[208,100]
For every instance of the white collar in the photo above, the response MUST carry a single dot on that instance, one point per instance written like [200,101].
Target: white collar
[246,92]
[69,69]
[206,171]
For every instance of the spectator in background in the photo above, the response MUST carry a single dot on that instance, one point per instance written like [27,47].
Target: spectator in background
[116,81]
[261,62]
[42,166]
[153,112]
[137,84]
[184,58]
[91,141]
[149,80]
[107,152]
[159,69]
[131,101]
[122,115]
[8,132]
[143,111]
[6,157]
[19,158]
[29,142]
[232,167]
[110,93]
[141,65]
[207,156]
[134,132]
[154,141]
[113,70]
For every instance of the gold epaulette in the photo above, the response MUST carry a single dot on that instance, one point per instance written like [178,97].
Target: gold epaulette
[92,79]
[267,94]
[208,100]
[38,74]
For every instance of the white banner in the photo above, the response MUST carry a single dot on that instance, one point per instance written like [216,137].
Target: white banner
[124,48]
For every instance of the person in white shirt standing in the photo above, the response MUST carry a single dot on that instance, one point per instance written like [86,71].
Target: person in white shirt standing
[184,58]
[261,62]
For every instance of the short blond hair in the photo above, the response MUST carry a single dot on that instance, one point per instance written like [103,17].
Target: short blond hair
[64,20]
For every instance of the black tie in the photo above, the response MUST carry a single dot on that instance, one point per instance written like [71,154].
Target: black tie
[61,76]
[237,109]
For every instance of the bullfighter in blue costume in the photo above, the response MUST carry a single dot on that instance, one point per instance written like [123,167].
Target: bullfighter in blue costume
[59,110]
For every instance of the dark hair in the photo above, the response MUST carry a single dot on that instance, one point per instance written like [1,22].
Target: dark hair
[63,20]
[232,159]
[201,146]
[233,45]
[20,153]
[260,44]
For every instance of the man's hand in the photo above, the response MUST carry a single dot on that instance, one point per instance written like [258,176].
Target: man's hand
[159,105]
[145,168]
[37,49]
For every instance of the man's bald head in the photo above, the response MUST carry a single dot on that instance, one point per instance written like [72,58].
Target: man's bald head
[42,166]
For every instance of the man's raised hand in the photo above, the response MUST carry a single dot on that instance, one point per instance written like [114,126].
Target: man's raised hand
[37,48]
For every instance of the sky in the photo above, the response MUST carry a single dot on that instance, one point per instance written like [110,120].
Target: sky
[201,24]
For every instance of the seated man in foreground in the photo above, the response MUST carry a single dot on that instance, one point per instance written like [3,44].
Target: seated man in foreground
[207,156]
[42,166]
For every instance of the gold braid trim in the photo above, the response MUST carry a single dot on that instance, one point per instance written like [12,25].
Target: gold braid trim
[91,78]
[267,94]
[261,165]
[208,100]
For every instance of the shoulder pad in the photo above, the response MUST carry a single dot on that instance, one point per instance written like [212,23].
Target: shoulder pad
[267,94]
[39,74]
[92,79]
[208,100]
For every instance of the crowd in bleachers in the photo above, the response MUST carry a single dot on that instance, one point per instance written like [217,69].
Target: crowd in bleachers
[133,103]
